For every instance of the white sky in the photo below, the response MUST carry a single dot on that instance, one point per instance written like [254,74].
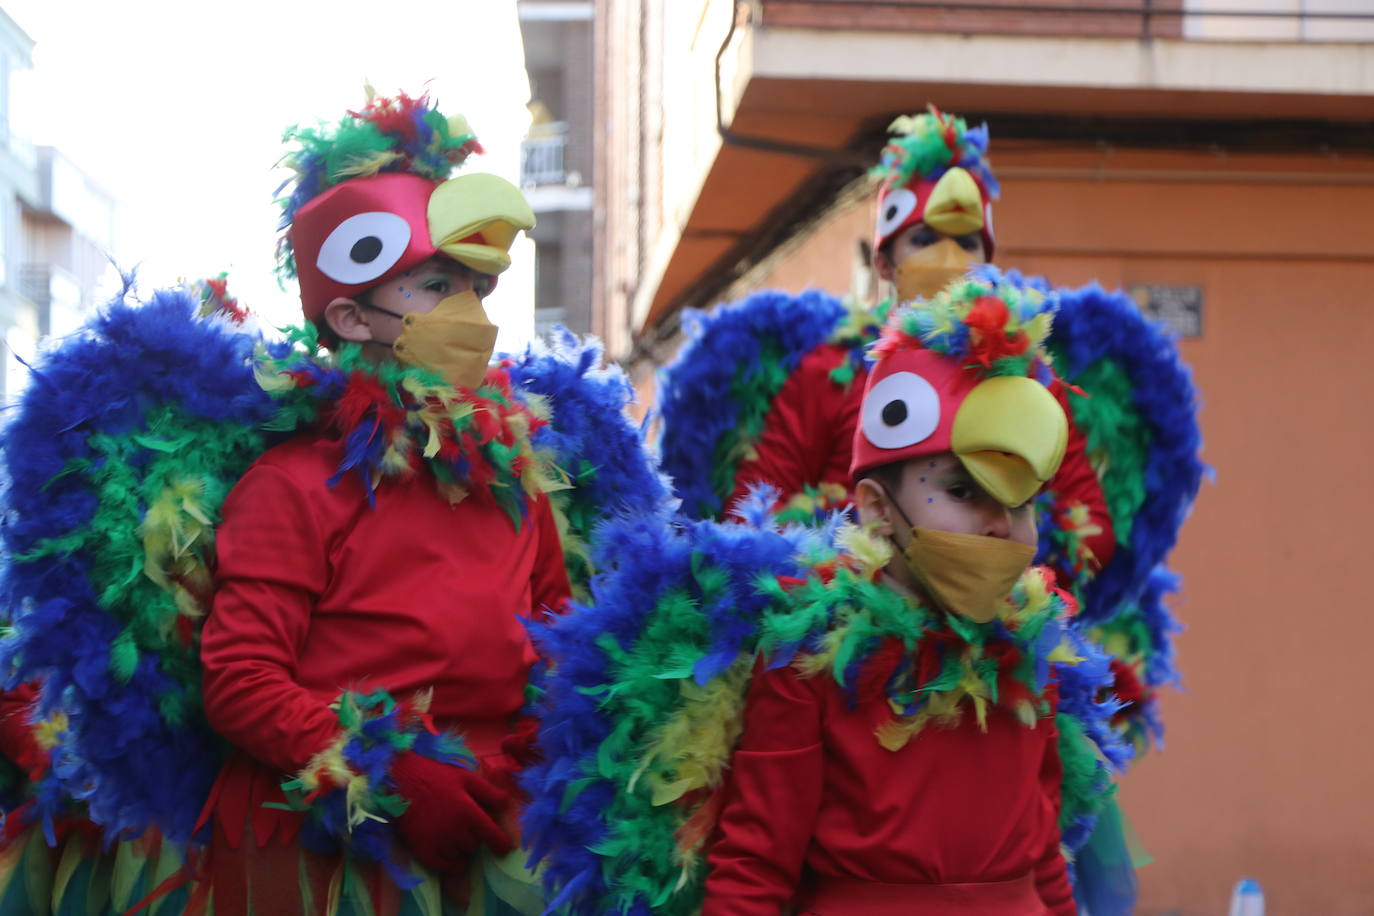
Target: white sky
[176,107]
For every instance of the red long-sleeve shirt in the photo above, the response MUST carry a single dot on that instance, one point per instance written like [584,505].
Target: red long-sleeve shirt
[813,795]
[318,592]
[808,440]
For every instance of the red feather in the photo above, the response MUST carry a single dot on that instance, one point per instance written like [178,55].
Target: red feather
[988,337]
[893,339]
[394,116]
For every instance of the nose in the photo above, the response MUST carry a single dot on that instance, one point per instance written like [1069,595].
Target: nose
[996,520]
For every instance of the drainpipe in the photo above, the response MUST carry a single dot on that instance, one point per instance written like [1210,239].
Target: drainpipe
[838,158]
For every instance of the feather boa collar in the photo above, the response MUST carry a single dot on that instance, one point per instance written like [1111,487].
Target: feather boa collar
[932,666]
[858,330]
[394,419]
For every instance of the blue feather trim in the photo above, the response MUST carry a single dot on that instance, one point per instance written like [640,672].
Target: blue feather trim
[589,433]
[132,749]
[697,404]
[1091,325]
[576,807]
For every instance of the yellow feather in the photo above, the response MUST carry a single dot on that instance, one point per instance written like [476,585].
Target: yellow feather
[814,664]
[1064,654]
[1116,644]
[49,731]
[269,379]
[187,603]
[369,164]
[422,700]
[871,552]
[894,734]
[905,124]
[693,747]
[453,492]
[435,438]
[458,126]
[173,525]
[539,405]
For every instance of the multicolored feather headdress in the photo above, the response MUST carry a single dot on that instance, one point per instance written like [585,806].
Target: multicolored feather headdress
[371,198]
[935,170]
[401,134]
[993,321]
[966,373]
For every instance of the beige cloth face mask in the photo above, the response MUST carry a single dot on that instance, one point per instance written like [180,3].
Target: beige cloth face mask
[455,339]
[925,272]
[966,574]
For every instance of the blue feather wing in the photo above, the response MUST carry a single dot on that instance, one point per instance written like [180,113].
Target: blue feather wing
[714,396]
[1140,421]
[609,469]
[151,407]
[616,817]
[1106,346]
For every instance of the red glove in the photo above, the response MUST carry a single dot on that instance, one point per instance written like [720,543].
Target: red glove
[519,745]
[452,811]
[518,751]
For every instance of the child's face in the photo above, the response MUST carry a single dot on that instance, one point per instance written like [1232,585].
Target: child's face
[418,290]
[937,493]
[365,318]
[919,236]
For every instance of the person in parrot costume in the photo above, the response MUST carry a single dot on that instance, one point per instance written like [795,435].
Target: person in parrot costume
[899,717]
[767,391]
[879,785]
[280,588]
[395,559]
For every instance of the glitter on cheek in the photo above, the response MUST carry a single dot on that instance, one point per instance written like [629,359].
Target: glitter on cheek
[407,295]
[930,499]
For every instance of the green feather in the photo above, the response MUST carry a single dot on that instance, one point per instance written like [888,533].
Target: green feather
[1118,441]
[1086,785]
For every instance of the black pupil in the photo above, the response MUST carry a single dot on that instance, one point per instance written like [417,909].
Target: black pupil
[891,211]
[894,413]
[366,249]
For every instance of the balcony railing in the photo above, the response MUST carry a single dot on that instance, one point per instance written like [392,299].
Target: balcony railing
[1270,20]
[542,156]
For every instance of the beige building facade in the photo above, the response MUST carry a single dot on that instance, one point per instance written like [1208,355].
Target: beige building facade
[1216,158]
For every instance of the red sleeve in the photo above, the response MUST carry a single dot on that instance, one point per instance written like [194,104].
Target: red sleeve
[549,589]
[1051,874]
[1076,481]
[271,570]
[797,439]
[773,796]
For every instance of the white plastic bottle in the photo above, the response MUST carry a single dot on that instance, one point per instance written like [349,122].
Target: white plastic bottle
[1247,899]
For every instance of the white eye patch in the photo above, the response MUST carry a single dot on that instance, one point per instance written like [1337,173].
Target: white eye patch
[900,410]
[363,247]
[897,206]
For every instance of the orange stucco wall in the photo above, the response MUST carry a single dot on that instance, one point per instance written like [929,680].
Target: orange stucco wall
[1269,749]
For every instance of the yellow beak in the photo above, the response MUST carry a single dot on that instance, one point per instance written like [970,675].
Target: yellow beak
[474,220]
[955,207]
[1010,433]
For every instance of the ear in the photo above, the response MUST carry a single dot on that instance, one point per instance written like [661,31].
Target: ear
[882,263]
[873,506]
[347,319]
